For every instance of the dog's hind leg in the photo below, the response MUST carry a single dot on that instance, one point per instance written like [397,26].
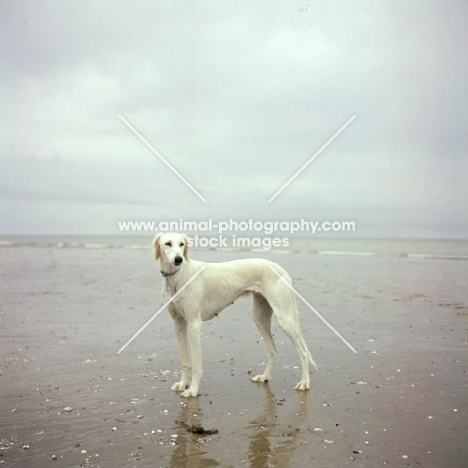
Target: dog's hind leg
[262,313]
[291,328]
[283,302]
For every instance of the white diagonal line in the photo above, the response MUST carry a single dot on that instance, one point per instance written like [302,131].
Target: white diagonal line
[312,158]
[313,310]
[160,310]
[160,157]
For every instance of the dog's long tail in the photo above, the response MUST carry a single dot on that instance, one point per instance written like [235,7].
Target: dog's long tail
[311,360]
[301,338]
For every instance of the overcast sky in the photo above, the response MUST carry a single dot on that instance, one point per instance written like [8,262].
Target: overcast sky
[237,96]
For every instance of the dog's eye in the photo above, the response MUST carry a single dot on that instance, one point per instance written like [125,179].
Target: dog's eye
[168,244]
[182,244]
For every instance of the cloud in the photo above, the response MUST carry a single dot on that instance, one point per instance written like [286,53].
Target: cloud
[237,96]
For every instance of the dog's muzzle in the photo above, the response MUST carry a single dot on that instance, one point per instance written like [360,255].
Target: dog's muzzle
[178,260]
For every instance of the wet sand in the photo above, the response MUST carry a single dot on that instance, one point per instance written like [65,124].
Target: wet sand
[67,399]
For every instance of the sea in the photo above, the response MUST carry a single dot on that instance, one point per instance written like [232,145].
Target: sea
[313,245]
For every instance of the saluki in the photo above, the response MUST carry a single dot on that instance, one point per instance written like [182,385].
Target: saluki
[216,287]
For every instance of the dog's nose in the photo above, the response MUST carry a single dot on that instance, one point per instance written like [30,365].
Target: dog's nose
[178,260]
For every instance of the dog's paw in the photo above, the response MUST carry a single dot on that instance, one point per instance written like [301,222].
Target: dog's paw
[303,385]
[189,394]
[179,386]
[259,378]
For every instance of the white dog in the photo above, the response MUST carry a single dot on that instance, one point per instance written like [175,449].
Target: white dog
[216,287]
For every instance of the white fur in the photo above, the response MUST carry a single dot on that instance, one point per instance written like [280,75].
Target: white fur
[218,286]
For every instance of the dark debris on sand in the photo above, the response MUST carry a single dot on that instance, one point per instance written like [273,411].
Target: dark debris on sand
[200,430]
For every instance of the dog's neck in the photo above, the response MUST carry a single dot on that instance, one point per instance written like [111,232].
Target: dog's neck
[166,274]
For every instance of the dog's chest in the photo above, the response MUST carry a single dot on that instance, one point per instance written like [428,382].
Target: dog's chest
[192,306]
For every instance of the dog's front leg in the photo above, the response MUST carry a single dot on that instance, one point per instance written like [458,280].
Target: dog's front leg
[194,335]
[180,326]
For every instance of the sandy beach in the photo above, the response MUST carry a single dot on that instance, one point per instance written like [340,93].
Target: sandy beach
[68,399]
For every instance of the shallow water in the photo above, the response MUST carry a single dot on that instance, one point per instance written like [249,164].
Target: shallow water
[420,248]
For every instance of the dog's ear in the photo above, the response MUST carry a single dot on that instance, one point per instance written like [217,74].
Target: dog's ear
[186,248]
[156,247]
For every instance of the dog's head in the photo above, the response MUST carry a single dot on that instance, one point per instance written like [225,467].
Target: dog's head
[171,248]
